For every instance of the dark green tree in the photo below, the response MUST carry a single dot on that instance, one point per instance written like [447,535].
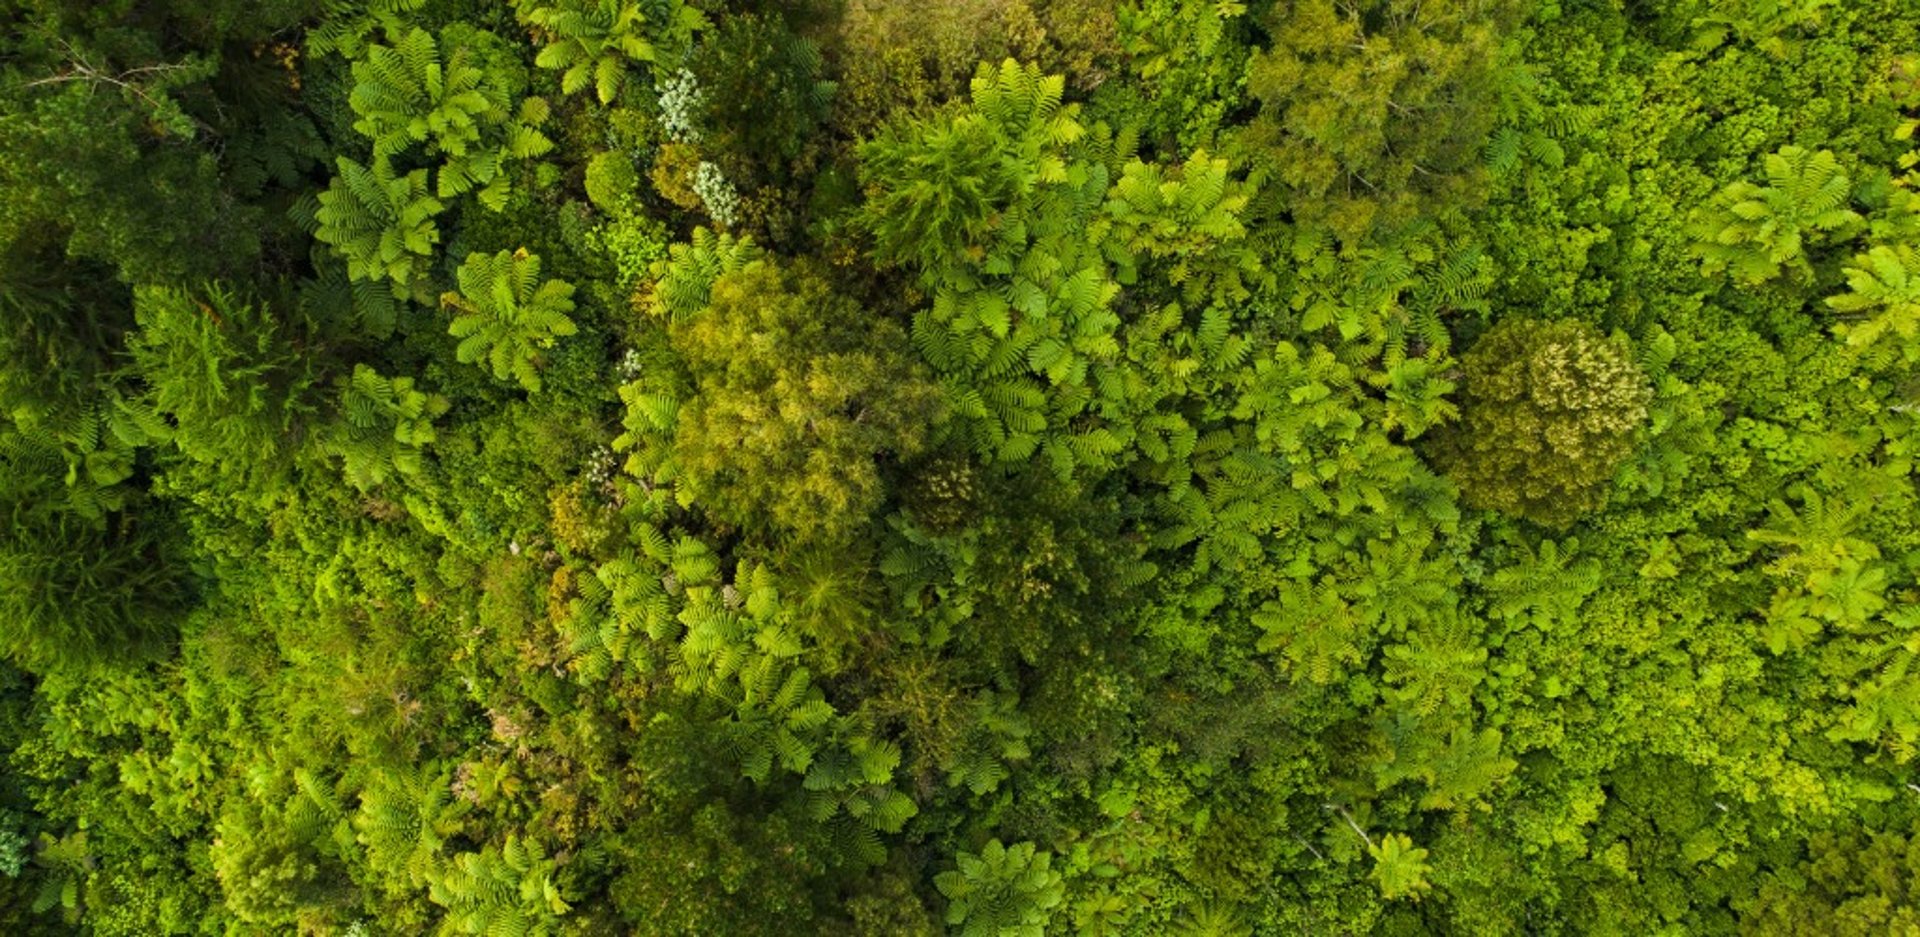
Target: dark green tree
[76,593]
[236,378]
[761,95]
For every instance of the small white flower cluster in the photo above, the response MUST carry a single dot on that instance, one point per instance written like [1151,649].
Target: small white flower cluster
[600,468]
[679,101]
[719,195]
[630,366]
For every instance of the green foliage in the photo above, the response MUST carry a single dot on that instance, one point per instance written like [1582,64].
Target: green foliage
[1755,233]
[1001,890]
[505,315]
[611,180]
[79,459]
[1844,883]
[1059,461]
[761,95]
[1373,113]
[139,143]
[1001,209]
[265,874]
[381,223]
[904,59]
[15,847]
[1548,412]
[684,281]
[381,426]
[945,194]
[592,42]
[1177,217]
[405,94]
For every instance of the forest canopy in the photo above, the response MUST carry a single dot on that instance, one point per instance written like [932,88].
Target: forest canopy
[985,467]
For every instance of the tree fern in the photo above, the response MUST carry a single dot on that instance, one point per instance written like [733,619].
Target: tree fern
[381,426]
[996,739]
[593,42]
[1756,232]
[1399,867]
[345,25]
[451,100]
[501,891]
[381,223]
[79,457]
[1547,587]
[408,93]
[1882,302]
[1314,627]
[1190,218]
[505,315]
[1001,890]
[404,820]
[683,281]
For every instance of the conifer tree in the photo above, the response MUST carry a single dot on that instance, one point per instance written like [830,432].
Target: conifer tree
[236,384]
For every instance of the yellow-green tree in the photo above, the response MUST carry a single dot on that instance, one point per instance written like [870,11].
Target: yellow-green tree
[1549,410]
[1374,111]
[796,397]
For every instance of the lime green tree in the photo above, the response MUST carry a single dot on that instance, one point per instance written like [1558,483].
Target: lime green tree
[1374,112]
[1399,867]
[796,397]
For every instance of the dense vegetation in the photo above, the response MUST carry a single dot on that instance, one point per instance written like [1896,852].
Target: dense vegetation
[974,466]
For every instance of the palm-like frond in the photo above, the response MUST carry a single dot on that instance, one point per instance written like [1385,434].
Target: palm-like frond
[506,315]
[1755,232]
